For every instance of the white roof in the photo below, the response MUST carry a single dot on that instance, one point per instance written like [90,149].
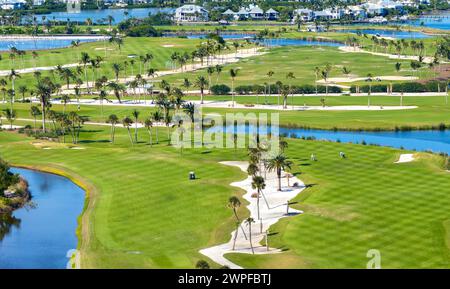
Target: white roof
[242,11]
[272,11]
[303,11]
[322,13]
[229,12]
[256,10]
[190,9]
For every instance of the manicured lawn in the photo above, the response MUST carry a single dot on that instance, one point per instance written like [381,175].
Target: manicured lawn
[360,203]
[302,62]
[147,214]
[431,111]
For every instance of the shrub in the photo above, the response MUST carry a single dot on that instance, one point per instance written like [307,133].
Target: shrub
[220,89]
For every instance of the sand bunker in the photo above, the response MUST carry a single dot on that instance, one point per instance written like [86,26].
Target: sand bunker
[405,158]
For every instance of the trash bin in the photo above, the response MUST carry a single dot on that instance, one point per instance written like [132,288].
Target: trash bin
[192,176]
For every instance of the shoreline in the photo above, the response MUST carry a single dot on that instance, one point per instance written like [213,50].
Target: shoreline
[83,231]
[19,201]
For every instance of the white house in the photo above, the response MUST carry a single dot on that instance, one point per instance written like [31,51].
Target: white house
[356,12]
[305,15]
[191,13]
[256,13]
[272,14]
[12,4]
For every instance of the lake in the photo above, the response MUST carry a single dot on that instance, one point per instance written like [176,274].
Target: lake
[40,237]
[421,140]
[43,42]
[99,16]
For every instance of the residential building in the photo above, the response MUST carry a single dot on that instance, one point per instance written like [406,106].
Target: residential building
[191,13]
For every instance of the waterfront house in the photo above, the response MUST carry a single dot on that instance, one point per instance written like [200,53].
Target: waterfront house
[272,14]
[305,15]
[191,13]
[256,13]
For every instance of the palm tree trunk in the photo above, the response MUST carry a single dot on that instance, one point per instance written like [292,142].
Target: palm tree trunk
[237,218]
[250,236]
[235,235]
[129,134]
[151,138]
[279,179]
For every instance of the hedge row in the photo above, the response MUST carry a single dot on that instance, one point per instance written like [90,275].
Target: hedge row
[222,89]
[432,86]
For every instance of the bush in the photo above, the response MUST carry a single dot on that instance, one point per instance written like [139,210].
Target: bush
[220,89]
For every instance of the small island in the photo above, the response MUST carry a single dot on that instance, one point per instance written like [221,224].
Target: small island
[14,192]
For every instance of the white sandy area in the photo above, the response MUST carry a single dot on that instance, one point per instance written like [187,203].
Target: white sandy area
[333,80]
[405,158]
[41,68]
[426,59]
[7,126]
[277,209]
[168,45]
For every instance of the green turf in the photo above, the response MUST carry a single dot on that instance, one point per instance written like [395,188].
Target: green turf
[361,203]
[302,62]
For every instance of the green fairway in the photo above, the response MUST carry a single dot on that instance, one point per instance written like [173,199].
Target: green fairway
[143,201]
[431,111]
[302,62]
[361,203]
[140,200]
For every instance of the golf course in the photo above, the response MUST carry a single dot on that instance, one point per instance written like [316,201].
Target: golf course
[104,115]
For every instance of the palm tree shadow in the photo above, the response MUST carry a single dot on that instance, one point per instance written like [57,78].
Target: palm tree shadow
[94,141]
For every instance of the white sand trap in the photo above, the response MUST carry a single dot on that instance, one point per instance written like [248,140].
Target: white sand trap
[350,49]
[103,48]
[168,45]
[7,126]
[76,148]
[405,158]
[277,209]
[353,79]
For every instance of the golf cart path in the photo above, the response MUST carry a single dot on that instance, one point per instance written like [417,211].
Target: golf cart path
[229,104]
[277,202]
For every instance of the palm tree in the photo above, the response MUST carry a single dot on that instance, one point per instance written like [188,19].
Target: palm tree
[127,122]
[269,74]
[157,117]
[12,77]
[258,184]
[210,70]
[22,90]
[201,83]
[202,264]
[135,114]
[249,222]
[110,20]
[283,145]
[279,163]
[291,76]
[369,79]
[35,112]
[316,73]
[234,203]
[149,124]
[113,120]
[65,99]
[116,68]
[10,115]
[85,60]
[218,69]
[186,84]
[117,88]
[44,91]
[102,96]
[233,74]
[3,84]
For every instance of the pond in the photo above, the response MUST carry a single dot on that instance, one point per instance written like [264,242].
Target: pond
[439,21]
[100,16]
[40,237]
[397,34]
[42,43]
[420,140]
